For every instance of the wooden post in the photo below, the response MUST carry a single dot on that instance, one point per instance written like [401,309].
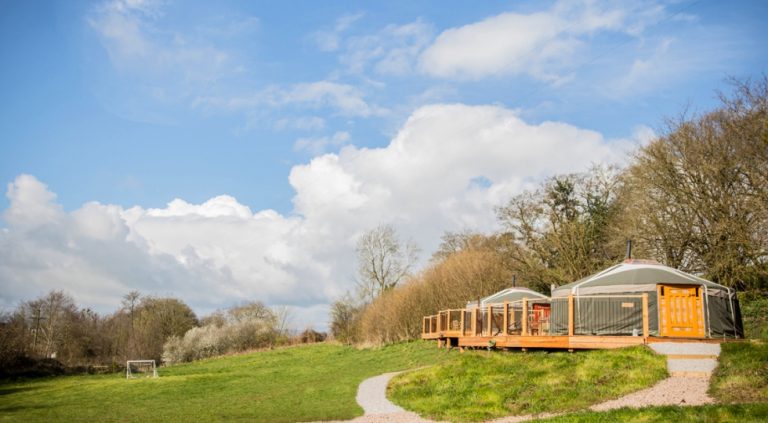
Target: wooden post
[646,328]
[525,317]
[489,320]
[513,317]
[461,328]
[570,315]
[473,324]
[506,318]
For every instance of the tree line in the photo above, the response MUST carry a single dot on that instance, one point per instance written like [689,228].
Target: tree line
[695,198]
[52,335]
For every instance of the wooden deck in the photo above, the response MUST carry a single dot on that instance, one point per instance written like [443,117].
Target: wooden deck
[552,342]
[518,325]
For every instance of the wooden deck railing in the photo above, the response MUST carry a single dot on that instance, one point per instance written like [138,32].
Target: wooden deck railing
[527,317]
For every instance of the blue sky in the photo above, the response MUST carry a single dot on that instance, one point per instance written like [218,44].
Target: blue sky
[311,122]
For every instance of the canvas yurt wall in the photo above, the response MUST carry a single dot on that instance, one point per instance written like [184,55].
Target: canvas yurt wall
[679,304]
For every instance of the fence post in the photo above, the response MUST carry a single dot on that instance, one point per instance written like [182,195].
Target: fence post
[646,325]
[489,320]
[461,328]
[524,317]
[570,315]
[505,320]
[474,321]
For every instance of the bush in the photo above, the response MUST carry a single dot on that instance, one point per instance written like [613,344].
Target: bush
[754,311]
[239,329]
[310,336]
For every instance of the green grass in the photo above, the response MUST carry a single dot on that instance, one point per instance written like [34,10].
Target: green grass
[742,373]
[741,413]
[479,386]
[315,382]
[754,310]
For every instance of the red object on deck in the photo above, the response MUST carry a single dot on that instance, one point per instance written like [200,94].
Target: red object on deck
[541,312]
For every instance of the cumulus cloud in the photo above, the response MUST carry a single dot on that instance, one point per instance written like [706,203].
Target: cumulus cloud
[446,169]
[538,44]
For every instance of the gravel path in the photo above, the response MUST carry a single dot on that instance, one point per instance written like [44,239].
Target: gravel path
[674,390]
[372,395]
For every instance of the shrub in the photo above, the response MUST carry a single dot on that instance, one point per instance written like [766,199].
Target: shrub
[239,329]
[754,311]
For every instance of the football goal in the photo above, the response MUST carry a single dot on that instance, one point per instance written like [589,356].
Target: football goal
[140,368]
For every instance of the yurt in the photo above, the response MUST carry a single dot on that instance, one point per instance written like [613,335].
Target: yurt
[508,295]
[490,311]
[679,304]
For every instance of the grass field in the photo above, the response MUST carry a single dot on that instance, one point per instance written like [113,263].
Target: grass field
[741,413]
[314,382]
[742,373]
[480,386]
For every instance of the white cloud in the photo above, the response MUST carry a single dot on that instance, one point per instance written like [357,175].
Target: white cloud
[319,145]
[342,99]
[541,44]
[127,31]
[446,169]
[391,51]
[347,99]
[329,40]
[302,123]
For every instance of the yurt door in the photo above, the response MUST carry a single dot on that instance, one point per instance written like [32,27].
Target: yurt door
[680,311]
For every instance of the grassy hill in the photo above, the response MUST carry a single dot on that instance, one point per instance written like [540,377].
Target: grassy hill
[481,386]
[313,382]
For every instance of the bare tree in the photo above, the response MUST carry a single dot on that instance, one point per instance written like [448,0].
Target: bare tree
[700,190]
[282,319]
[130,303]
[345,319]
[383,261]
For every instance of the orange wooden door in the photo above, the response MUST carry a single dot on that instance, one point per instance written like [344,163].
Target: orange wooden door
[680,311]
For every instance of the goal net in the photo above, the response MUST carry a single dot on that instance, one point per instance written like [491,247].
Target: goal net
[140,368]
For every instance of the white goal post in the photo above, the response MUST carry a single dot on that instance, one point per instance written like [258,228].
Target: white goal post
[140,368]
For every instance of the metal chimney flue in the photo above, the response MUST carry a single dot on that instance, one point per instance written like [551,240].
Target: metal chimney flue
[629,249]
[514,281]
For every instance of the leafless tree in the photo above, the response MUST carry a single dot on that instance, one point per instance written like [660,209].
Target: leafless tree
[383,261]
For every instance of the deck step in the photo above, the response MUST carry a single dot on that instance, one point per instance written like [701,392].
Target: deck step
[686,348]
[692,356]
[706,365]
[704,375]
